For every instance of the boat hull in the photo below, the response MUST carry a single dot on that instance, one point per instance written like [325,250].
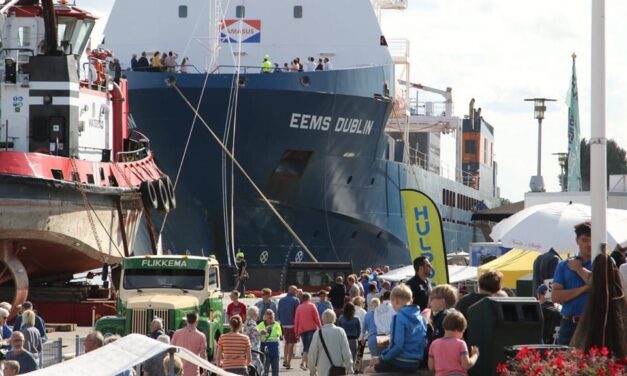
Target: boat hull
[46,224]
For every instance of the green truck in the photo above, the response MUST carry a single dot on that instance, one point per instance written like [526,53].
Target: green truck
[168,287]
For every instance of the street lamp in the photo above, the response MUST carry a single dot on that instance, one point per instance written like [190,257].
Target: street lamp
[537,182]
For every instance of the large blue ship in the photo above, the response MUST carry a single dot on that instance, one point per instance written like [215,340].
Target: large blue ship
[319,144]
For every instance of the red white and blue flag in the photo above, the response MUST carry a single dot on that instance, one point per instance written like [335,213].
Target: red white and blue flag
[248,30]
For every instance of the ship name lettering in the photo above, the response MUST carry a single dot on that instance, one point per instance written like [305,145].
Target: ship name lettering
[323,123]
[164,263]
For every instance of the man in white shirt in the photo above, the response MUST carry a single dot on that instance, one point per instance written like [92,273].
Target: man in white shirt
[310,65]
[327,64]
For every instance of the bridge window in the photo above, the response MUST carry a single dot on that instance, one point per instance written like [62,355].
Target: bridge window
[240,11]
[182,11]
[298,11]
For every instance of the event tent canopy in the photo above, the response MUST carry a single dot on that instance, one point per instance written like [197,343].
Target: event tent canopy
[514,265]
[456,273]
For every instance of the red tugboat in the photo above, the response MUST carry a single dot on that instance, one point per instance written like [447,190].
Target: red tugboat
[75,182]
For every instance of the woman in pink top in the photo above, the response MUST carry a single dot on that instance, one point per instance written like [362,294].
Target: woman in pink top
[448,355]
[306,322]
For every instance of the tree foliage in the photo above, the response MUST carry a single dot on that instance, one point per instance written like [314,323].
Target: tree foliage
[616,162]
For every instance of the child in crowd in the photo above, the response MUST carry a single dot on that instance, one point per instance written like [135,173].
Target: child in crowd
[449,355]
[408,336]
[441,301]
[323,303]
[271,333]
[351,326]
[369,330]
[236,307]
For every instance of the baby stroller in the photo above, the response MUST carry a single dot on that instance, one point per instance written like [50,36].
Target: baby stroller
[255,368]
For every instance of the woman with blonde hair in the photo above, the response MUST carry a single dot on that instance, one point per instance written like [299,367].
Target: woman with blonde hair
[32,339]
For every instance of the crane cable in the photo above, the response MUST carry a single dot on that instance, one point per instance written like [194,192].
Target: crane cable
[172,84]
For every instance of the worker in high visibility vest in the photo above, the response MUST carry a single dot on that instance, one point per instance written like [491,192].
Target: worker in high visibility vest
[266,66]
[271,334]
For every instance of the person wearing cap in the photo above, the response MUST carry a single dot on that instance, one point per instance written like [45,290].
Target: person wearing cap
[242,274]
[550,313]
[39,322]
[570,284]
[267,66]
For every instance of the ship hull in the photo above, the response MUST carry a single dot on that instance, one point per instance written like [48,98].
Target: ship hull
[46,225]
[339,188]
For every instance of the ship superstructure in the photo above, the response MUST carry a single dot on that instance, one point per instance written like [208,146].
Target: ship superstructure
[321,144]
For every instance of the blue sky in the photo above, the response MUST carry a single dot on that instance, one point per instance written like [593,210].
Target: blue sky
[500,52]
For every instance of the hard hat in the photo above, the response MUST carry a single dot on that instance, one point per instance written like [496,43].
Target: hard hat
[239,254]
[266,57]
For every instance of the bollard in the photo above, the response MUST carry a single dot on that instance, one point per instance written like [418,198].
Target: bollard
[59,350]
[77,345]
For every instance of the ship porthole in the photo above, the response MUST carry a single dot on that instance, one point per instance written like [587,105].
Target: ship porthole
[349,180]
[305,81]
[354,234]
[242,81]
[263,257]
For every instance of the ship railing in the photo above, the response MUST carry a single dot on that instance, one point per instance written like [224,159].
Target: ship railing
[421,160]
[51,353]
[176,69]
[426,108]
[89,78]
[242,69]
[399,49]
[137,146]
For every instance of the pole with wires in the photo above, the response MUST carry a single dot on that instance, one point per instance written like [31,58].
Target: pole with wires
[172,83]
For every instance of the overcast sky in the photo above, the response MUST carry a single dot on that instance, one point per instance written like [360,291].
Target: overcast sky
[501,52]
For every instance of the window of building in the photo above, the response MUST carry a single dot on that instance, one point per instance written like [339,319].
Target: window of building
[470,147]
[240,11]
[182,11]
[298,11]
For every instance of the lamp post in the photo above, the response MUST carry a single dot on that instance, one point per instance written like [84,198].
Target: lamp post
[539,107]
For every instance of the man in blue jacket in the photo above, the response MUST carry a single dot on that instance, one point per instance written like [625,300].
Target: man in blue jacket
[408,336]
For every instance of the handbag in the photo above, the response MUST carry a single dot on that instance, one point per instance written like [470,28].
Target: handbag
[334,370]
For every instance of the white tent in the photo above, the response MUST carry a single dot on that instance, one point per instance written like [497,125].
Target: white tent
[456,273]
[123,354]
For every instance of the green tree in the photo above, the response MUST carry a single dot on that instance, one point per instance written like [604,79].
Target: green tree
[616,162]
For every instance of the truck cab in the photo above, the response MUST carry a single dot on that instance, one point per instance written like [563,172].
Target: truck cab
[168,287]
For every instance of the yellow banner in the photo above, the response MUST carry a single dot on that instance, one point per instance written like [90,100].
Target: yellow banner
[424,232]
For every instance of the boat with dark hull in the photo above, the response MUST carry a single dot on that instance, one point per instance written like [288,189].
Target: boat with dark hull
[318,143]
[75,183]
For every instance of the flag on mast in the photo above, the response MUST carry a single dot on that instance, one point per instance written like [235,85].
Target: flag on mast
[572,100]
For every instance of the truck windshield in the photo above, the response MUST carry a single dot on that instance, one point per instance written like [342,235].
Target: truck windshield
[164,278]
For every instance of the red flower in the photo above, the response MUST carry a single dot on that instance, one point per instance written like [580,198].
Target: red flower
[604,351]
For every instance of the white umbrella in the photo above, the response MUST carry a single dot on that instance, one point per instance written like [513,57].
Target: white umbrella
[456,273]
[542,227]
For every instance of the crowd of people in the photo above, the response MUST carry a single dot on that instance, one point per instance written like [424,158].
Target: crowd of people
[160,62]
[296,65]
[415,325]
